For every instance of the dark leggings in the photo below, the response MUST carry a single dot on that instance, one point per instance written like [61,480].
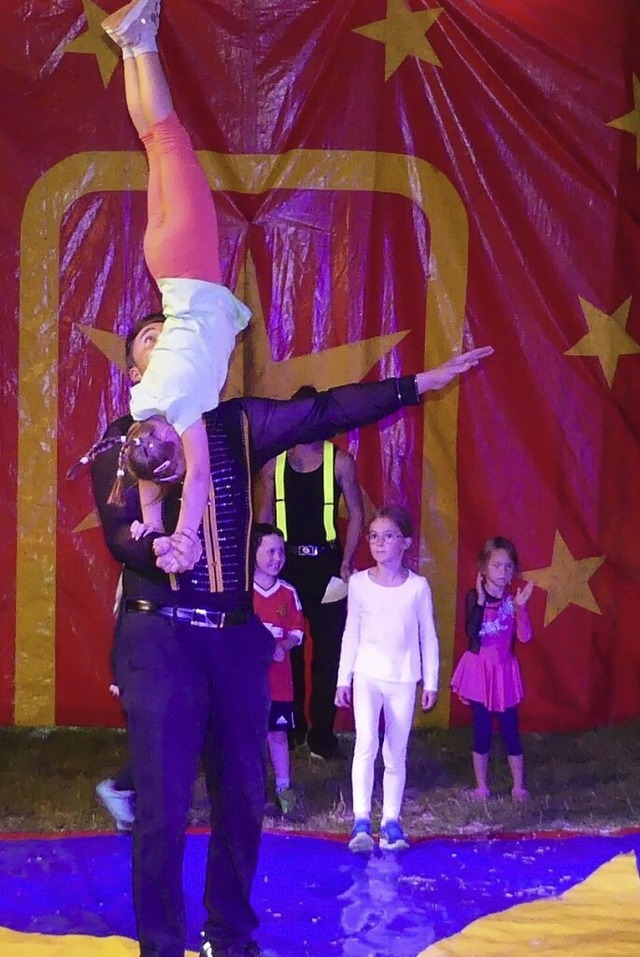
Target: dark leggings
[483,729]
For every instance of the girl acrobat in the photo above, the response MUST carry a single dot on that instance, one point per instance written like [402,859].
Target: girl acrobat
[189,362]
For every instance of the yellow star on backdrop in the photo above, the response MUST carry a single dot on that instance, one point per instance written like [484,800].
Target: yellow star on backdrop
[94,42]
[403,34]
[630,122]
[607,337]
[566,580]
[109,343]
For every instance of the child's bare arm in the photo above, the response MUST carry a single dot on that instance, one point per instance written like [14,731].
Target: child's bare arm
[197,479]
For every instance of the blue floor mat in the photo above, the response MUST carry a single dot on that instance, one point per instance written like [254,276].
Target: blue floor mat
[313,898]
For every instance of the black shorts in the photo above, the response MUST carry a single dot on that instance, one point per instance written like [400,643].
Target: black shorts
[281,716]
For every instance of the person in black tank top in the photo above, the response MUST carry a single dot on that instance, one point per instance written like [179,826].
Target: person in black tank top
[301,494]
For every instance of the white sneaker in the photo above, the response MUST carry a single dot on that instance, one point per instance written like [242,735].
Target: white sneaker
[119,804]
[135,24]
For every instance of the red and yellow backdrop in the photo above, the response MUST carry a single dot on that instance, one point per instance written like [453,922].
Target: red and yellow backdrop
[396,180]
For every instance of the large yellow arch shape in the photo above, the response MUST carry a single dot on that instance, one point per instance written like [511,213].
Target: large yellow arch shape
[319,170]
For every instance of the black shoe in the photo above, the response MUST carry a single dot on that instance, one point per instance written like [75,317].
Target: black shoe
[327,753]
[323,744]
[296,739]
[250,949]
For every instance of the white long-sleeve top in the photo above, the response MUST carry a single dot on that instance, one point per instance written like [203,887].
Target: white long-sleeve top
[390,632]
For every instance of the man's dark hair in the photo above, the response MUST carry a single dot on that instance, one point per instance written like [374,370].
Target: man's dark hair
[135,331]
[305,392]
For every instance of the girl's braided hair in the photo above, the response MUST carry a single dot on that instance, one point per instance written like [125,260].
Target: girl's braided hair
[142,455]
[98,448]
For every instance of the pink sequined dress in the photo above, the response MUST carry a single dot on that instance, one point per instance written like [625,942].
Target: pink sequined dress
[492,675]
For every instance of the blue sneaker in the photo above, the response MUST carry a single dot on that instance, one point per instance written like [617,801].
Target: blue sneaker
[361,841]
[392,837]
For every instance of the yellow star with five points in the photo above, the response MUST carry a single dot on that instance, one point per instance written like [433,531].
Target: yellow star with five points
[566,580]
[403,34]
[607,337]
[94,42]
[630,122]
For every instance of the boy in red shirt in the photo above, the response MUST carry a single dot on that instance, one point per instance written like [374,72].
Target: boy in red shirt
[277,605]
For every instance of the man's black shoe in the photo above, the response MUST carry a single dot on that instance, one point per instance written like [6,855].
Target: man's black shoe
[334,753]
[233,950]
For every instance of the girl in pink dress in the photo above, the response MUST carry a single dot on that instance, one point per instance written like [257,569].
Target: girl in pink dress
[488,674]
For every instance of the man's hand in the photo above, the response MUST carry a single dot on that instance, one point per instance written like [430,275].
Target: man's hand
[442,375]
[343,696]
[429,699]
[177,553]
[346,571]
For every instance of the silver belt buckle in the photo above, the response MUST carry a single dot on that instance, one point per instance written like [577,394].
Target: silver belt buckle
[309,551]
[203,618]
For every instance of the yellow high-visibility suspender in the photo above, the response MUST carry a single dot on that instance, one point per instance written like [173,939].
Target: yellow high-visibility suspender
[281,512]
[328,453]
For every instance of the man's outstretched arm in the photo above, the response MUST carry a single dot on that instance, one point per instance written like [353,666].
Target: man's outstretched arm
[278,425]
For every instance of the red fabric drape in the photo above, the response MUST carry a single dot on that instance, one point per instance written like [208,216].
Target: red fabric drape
[514,198]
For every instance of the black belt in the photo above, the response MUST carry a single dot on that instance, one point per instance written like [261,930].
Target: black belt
[311,551]
[199,617]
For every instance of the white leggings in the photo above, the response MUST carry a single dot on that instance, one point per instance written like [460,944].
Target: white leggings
[396,699]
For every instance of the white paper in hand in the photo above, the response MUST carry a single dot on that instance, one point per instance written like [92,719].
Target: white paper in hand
[336,589]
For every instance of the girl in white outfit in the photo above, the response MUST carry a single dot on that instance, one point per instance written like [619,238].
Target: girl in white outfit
[389,644]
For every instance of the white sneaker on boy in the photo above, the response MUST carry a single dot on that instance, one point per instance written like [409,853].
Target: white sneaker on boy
[119,804]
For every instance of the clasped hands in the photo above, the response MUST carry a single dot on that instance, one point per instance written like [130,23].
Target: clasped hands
[179,552]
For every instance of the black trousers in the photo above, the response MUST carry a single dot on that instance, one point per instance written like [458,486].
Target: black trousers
[326,626]
[187,692]
[310,576]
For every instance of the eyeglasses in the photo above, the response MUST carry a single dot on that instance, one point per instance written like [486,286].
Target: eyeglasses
[384,537]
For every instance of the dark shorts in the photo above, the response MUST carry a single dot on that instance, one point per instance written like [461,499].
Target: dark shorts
[281,716]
